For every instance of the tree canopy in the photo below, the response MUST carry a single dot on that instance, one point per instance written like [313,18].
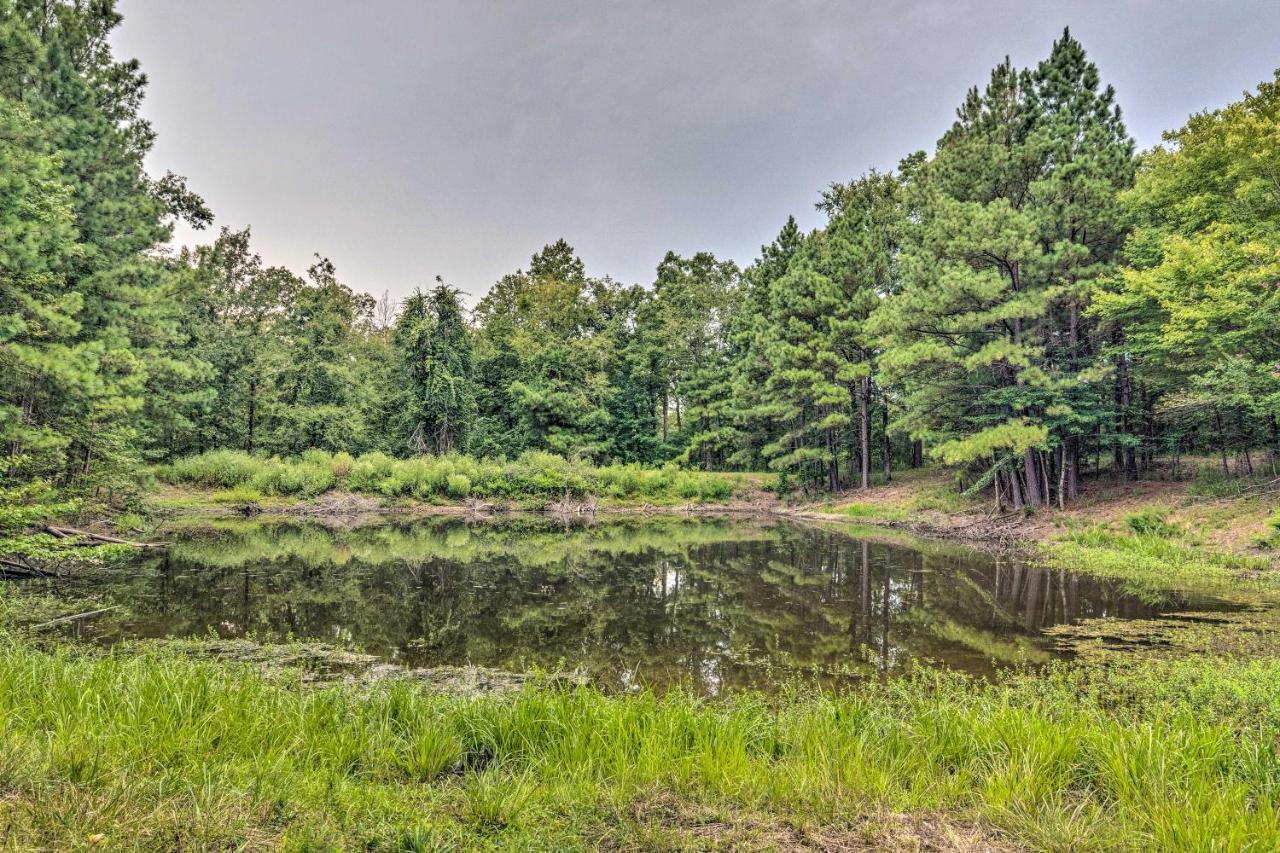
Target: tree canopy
[1030,295]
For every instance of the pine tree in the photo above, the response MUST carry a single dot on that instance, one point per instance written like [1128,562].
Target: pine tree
[694,300]
[83,107]
[749,413]
[435,404]
[1014,221]
[38,356]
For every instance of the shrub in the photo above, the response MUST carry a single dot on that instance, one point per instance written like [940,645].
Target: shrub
[535,474]
[1151,522]
[1211,482]
[546,475]
[369,471]
[342,464]
[317,457]
[214,468]
[459,485]
[307,479]
[268,476]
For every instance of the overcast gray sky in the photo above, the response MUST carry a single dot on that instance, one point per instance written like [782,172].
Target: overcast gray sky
[404,139]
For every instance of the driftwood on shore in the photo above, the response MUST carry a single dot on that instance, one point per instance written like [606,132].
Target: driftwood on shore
[568,506]
[86,538]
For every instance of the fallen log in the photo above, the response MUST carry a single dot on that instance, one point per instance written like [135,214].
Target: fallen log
[86,538]
[14,569]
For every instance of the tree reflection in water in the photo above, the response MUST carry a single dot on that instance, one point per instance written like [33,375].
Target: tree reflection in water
[713,604]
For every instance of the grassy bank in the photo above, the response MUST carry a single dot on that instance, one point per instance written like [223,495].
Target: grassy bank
[1208,533]
[1153,561]
[156,750]
[531,476]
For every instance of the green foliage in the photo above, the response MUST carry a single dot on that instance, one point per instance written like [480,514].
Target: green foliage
[533,474]
[1151,522]
[974,301]
[86,315]
[214,469]
[1210,481]
[816,343]
[436,404]
[458,485]
[1199,301]
[542,356]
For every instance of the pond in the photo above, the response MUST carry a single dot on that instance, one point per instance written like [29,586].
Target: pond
[712,604]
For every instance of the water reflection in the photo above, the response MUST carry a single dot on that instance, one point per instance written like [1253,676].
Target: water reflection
[710,603]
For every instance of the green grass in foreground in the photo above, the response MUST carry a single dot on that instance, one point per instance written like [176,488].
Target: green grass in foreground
[155,750]
[454,477]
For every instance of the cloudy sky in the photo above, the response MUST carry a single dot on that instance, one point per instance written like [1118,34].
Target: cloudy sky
[409,138]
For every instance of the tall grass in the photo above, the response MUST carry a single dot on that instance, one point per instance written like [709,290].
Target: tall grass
[1151,564]
[158,751]
[452,477]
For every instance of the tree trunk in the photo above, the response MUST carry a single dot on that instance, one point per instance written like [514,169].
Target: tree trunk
[1062,476]
[1071,465]
[917,453]
[1275,443]
[1033,478]
[888,447]
[1069,469]
[833,475]
[1015,488]
[864,433]
[253,413]
[1129,462]
[1044,478]
[1222,439]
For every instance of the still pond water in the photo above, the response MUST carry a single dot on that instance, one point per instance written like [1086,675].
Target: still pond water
[711,604]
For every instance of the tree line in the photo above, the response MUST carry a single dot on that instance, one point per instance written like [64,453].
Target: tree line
[1031,301]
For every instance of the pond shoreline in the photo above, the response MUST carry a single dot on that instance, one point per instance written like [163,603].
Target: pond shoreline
[1072,747]
[341,505]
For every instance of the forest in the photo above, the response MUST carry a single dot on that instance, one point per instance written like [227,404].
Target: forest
[1031,302]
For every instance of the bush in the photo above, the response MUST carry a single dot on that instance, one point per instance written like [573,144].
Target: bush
[369,471]
[1151,522]
[306,479]
[535,474]
[342,465]
[215,468]
[459,485]
[1211,482]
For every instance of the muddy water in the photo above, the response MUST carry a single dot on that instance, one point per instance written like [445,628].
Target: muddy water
[710,604]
